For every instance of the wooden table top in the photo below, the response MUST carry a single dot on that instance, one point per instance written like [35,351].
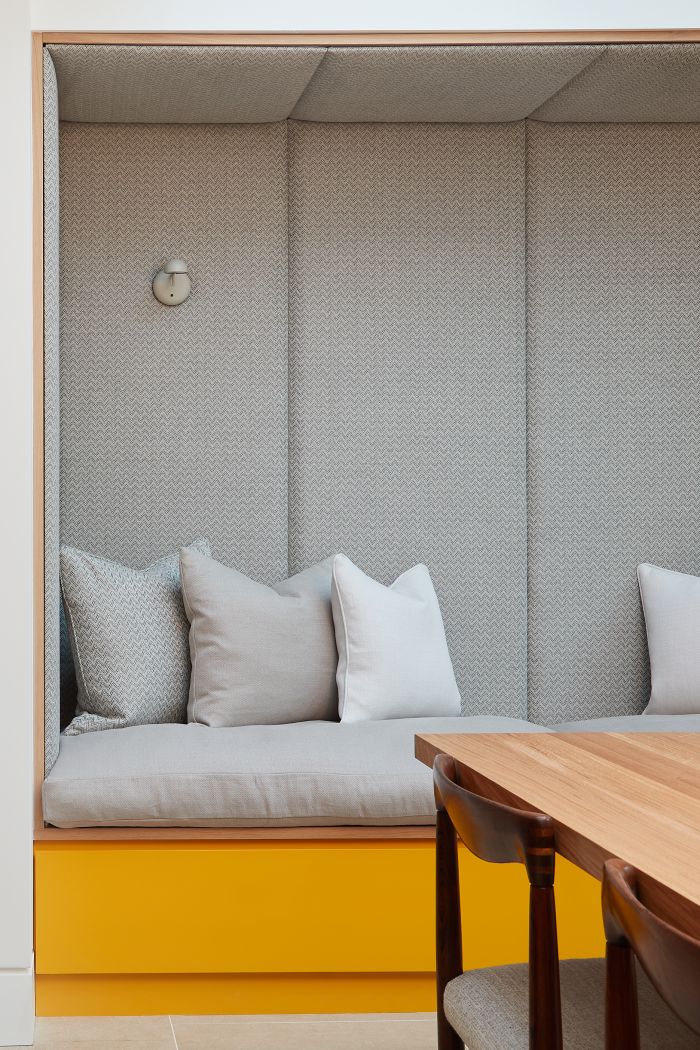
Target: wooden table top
[630,795]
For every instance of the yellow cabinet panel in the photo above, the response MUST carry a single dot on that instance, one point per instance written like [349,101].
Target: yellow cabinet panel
[174,908]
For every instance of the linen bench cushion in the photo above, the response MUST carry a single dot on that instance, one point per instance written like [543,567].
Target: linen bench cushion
[304,774]
[633,724]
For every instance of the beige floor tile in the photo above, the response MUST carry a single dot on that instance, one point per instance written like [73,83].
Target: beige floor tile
[306,1035]
[103,1044]
[275,1018]
[112,1033]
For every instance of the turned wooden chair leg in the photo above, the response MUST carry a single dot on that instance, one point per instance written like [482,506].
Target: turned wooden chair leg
[545,996]
[448,925]
[621,1012]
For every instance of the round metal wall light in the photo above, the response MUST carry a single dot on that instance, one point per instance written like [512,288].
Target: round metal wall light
[172,284]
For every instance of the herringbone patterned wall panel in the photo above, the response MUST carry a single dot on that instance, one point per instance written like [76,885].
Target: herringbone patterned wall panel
[613,396]
[174,421]
[407,373]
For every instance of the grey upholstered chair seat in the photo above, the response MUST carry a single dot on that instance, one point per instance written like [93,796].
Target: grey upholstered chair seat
[633,724]
[489,1009]
[307,773]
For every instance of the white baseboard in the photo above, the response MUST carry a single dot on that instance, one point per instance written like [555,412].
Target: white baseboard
[17,1007]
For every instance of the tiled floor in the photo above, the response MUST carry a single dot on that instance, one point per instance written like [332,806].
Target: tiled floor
[298,1032]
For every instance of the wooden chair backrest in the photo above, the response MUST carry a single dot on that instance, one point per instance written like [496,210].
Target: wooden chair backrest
[493,831]
[500,834]
[669,957]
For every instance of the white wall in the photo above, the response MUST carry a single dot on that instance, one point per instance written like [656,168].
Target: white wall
[16,651]
[364,14]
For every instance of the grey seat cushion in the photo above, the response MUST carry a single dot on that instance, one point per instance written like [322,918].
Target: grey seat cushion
[307,773]
[633,724]
[489,1009]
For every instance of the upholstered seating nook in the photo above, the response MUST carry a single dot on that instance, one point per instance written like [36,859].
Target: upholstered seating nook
[445,308]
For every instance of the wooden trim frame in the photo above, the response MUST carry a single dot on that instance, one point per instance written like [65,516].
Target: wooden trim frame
[298,39]
[38,408]
[331,834]
[382,39]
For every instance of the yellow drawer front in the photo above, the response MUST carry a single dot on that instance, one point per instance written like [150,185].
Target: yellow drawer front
[322,907]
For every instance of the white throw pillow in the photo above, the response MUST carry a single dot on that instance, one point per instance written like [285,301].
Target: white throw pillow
[671,602]
[393,660]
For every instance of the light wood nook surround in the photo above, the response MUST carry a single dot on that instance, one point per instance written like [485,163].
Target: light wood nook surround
[214,982]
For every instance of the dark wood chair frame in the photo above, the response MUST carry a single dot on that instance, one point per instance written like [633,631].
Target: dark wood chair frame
[502,835]
[669,957]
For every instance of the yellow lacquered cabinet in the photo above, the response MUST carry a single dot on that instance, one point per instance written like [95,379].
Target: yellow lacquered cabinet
[280,908]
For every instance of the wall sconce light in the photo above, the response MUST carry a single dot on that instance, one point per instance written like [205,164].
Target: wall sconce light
[172,284]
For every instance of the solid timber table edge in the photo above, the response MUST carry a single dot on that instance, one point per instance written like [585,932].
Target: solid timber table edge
[571,844]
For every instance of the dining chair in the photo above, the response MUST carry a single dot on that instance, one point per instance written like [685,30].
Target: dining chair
[669,958]
[540,1005]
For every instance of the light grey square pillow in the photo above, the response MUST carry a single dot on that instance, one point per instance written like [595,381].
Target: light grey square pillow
[671,602]
[260,655]
[393,660]
[129,636]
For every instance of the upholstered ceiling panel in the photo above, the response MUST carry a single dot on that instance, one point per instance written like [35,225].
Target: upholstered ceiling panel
[174,420]
[186,85]
[613,395]
[463,84]
[407,373]
[52,594]
[632,83]
[472,84]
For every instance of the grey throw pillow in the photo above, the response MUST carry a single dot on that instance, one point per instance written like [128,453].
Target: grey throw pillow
[671,602]
[260,655]
[129,636]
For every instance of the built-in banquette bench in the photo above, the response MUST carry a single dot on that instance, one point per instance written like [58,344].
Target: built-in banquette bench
[445,308]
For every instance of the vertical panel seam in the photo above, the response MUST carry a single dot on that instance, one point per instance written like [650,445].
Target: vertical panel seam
[526,304]
[288,341]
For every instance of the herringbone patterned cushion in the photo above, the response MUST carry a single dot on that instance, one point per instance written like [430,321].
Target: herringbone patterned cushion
[130,639]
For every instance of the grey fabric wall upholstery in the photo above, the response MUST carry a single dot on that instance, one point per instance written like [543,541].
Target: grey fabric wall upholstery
[54,659]
[174,421]
[181,85]
[407,374]
[613,395]
[393,425]
[632,83]
[476,83]
[462,84]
